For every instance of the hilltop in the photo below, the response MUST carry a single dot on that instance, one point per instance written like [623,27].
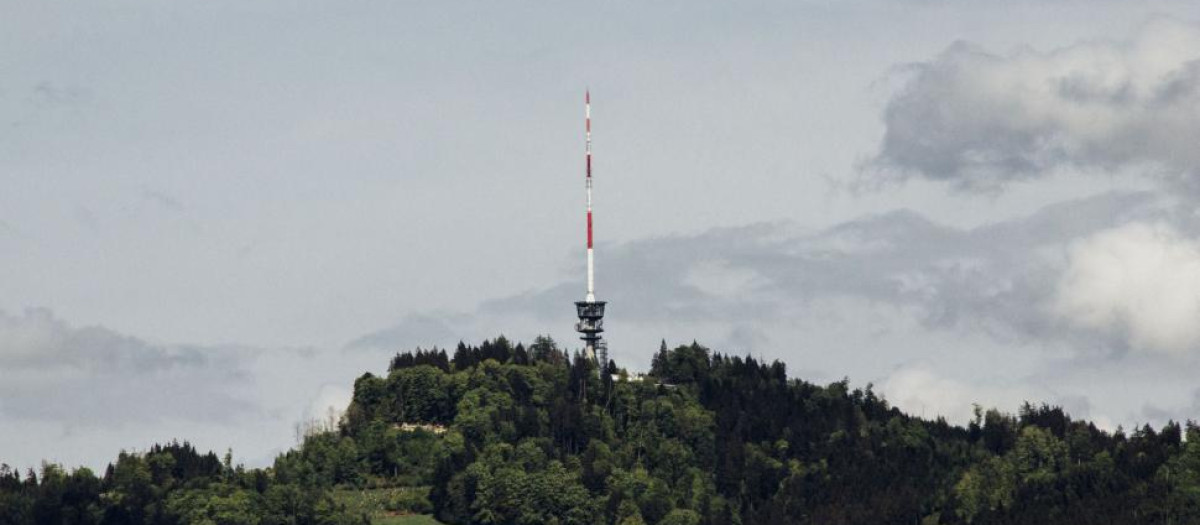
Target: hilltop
[534,435]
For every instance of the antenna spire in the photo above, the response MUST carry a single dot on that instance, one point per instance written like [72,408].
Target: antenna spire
[591,311]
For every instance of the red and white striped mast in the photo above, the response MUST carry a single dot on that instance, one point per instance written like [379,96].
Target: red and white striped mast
[587,117]
[591,311]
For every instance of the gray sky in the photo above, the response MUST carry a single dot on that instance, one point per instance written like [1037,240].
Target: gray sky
[215,214]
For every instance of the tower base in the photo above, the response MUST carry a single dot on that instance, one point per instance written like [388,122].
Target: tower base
[590,325]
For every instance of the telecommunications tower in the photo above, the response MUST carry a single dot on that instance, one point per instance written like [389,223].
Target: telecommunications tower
[591,311]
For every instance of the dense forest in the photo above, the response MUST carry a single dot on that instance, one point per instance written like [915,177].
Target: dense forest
[507,434]
[168,484]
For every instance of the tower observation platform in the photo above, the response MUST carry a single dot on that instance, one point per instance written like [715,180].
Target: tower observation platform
[590,325]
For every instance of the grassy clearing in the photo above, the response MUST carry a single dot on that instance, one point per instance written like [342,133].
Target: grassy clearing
[375,503]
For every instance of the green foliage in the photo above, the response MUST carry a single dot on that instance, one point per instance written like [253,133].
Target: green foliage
[520,485]
[1181,477]
[405,519]
[386,505]
[218,505]
[681,517]
[323,460]
[410,502]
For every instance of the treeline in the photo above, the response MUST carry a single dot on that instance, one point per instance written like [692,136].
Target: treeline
[167,485]
[535,436]
[499,350]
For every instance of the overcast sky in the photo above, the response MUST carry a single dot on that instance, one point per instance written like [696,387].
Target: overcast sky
[214,215]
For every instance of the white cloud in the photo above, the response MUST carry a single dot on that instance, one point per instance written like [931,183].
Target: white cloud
[924,389]
[81,394]
[50,370]
[920,391]
[980,119]
[1140,282]
[719,279]
[330,402]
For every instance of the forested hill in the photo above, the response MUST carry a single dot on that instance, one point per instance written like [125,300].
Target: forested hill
[504,434]
[532,435]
